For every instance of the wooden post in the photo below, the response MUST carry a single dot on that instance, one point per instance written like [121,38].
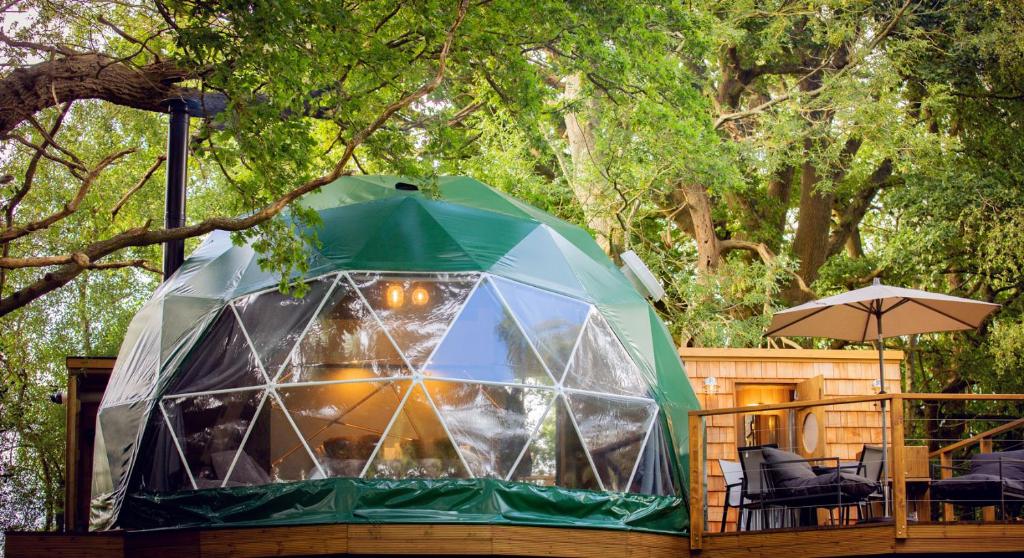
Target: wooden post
[946,472]
[696,482]
[899,468]
[988,513]
[71,409]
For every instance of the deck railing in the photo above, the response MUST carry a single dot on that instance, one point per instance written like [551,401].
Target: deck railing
[930,457]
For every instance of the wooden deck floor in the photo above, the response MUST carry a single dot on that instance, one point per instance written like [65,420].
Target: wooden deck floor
[485,540]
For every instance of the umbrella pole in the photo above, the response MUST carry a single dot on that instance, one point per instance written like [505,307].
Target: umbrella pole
[885,436]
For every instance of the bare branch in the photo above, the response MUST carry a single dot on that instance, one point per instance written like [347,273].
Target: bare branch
[138,185]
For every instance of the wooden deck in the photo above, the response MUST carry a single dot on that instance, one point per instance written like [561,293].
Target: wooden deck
[494,540]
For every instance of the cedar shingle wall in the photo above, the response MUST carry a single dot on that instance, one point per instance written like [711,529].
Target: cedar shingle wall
[848,427]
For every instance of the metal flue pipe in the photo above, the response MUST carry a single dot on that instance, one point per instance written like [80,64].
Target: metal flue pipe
[177,161]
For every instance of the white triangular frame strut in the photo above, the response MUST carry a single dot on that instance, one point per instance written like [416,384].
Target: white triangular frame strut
[643,448]
[245,437]
[309,324]
[522,330]
[387,430]
[177,445]
[533,436]
[248,341]
[579,435]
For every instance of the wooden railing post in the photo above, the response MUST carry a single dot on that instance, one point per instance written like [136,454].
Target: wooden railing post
[696,482]
[946,472]
[988,513]
[899,468]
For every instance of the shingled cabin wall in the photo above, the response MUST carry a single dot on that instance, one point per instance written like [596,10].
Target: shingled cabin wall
[845,373]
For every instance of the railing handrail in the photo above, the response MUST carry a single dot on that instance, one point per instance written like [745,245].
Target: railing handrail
[978,438]
[860,399]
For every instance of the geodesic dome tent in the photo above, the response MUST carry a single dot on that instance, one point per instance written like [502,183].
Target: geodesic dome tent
[460,356]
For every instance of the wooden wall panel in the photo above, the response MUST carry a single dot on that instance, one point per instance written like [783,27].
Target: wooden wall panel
[846,373]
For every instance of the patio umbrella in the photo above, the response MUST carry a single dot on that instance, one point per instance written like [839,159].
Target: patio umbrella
[875,313]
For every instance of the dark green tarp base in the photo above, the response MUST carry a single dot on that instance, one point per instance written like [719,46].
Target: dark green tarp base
[344,500]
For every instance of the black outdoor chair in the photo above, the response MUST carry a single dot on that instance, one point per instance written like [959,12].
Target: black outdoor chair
[791,482]
[994,479]
[752,491]
[870,466]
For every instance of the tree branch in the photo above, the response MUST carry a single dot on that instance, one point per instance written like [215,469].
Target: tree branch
[138,185]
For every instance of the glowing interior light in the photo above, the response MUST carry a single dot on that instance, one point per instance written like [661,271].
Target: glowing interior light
[420,296]
[395,296]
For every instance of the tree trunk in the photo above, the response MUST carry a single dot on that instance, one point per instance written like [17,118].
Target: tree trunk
[811,244]
[587,183]
[698,207]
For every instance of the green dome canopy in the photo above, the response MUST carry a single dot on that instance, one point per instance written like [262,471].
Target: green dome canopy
[452,340]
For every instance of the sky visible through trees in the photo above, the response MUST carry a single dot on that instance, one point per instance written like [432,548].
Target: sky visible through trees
[755,154]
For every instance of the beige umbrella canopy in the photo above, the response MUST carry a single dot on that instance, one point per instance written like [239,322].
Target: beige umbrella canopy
[877,312]
[880,311]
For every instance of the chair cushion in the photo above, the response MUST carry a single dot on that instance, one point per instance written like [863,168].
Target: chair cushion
[1008,463]
[786,466]
[847,485]
[977,489]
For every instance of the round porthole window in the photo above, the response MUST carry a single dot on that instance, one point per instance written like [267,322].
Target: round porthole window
[810,433]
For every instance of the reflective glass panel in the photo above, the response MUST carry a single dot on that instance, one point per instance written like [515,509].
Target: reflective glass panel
[490,424]
[556,456]
[417,445]
[273,452]
[221,360]
[485,344]
[275,321]
[602,365]
[210,429]
[614,431]
[551,321]
[342,423]
[344,342]
[415,309]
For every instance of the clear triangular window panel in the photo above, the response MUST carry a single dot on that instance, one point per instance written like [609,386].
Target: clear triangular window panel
[490,424]
[556,456]
[417,445]
[344,342]
[210,429]
[273,451]
[485,344]
[342,423]
[552,322]
[614,431]
[415,309]
[275,321]
[602,365]
[221,359]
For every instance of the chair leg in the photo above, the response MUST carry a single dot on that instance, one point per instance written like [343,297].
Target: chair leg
[725,516]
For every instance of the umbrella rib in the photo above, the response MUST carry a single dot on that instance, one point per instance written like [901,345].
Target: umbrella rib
[897,305]
[867,322]
[940,312]
[859,306]
[794,322]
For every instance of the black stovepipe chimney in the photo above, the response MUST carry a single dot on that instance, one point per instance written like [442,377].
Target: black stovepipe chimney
[177,159]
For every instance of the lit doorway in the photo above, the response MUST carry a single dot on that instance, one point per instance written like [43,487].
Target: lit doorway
[764,427]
